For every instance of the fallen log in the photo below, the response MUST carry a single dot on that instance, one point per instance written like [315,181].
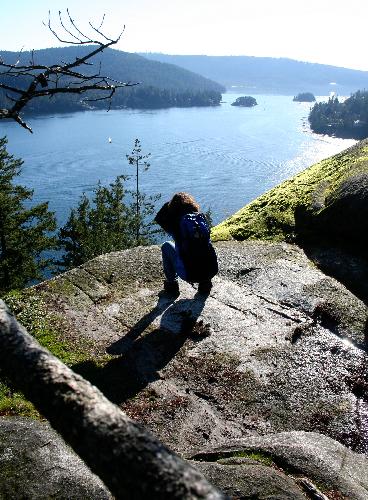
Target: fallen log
[131,461]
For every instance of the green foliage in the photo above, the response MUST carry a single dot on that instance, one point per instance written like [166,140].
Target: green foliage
[143,97]
[304,97]
[209,217]
[14,403]
[139,160]
[247,101]
[342,119]
[140,97]
[24,232]
[97,227]
[111,221]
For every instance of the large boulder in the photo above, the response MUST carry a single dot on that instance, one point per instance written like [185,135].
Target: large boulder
[247,478]
[292,457]
[276,347]
[345,212]
[35,464]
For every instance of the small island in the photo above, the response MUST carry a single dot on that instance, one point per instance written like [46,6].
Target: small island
[304,97]
[245,101]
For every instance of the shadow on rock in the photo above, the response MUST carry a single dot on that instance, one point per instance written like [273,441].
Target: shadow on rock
[143,353]
[339,255]
[344,264]
[123,345]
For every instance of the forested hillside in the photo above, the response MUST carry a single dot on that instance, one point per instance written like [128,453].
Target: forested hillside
[348,118]
[270,75]
[160,84]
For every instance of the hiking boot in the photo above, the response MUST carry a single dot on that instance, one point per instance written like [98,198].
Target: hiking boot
[205,287]
[171,287]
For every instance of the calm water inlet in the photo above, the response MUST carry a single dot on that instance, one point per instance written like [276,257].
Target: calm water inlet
[225,156]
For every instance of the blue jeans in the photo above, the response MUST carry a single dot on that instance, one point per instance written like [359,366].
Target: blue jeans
[171,261]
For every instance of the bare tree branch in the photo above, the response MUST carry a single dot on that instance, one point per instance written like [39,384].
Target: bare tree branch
[41,80]
[13,89]
[102,21]
[66,29]
[74,25]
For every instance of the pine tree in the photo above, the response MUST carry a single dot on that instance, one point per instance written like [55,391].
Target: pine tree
[107,223]
[24,231]
[139,160]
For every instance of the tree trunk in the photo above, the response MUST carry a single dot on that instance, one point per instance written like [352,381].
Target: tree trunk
[138,221]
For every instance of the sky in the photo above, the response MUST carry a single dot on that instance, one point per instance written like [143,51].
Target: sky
[322,31]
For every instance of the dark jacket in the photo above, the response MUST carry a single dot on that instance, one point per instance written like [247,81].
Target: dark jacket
[193,263]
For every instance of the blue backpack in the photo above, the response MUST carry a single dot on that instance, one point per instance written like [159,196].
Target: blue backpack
[195,248]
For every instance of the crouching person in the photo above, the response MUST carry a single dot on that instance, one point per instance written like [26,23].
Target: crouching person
[191,255]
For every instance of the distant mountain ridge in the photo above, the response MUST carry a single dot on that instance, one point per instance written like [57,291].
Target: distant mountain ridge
[160,84]
[270,75]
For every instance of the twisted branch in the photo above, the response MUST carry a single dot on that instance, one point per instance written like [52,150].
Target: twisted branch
[41,80]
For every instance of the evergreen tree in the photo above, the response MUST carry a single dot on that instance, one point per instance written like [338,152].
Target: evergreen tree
[107,223]
[24,232]
[139,160]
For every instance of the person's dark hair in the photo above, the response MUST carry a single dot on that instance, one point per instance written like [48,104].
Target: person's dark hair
[182,203]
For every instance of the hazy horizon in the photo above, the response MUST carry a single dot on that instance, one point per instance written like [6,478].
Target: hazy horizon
[322,31]
[247,55]
[190,55]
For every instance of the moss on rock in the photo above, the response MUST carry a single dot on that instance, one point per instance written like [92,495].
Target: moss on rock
[272,215]
[32,311]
